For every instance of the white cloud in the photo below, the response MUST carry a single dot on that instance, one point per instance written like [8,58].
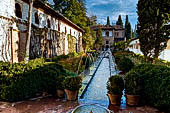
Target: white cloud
[113,8]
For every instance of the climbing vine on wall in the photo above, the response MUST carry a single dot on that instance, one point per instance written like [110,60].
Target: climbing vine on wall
[71,43]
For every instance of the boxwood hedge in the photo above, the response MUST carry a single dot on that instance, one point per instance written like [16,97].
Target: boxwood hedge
[20,81]
[156,86]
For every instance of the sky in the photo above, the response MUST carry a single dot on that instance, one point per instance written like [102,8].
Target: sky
[113,8]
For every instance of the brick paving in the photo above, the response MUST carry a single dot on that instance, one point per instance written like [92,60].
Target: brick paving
[54,105]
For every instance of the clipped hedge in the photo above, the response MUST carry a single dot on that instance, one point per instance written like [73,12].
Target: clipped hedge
[156,85]
[20,81]
[124,64]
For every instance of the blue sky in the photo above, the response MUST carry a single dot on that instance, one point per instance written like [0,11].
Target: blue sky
[113,8]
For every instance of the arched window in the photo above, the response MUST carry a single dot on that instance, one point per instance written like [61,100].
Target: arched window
[18,11]
[36,18]
[48,23]
[107,33]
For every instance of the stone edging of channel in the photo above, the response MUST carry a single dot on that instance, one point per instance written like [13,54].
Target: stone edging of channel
[81,94]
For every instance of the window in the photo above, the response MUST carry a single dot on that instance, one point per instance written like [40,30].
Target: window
[18,11]
[107,42]
[107,34]
[70,31]
[65,30]
[36,18]
[59,23]
[48,23]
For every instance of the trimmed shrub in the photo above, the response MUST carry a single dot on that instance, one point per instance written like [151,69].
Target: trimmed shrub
[115,85]
[124,64]
[156,85]
[72,83]
[21,81]
[133,83]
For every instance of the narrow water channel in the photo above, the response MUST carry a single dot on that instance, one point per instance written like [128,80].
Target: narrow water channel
[97,92]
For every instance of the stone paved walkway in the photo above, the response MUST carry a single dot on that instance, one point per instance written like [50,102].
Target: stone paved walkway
[54,105]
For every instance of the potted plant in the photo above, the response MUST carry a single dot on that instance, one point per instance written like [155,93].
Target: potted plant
[115,86]
[59,86]
[133,87]
[71,85]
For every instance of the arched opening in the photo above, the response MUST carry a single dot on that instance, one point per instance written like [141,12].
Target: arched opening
[107,33]
[36,18]
[18,11]
[107,47]
[107,42]
[48,23]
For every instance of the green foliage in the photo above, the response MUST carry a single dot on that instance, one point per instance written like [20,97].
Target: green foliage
[72,83]
[124,64]
[22,81]
[119,21]
[156,88]
[92,20]
[98,42]
[75,11]
[133,83]
[115,85]
[71,44]
[153,28]
[121,45]
[59,82]
[128,29]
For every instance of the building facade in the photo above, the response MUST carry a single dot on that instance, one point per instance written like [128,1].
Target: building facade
[134,46]
[110,34]
[51,32]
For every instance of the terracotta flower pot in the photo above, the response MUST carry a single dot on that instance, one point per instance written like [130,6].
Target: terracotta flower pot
[71,95]
[60,93]
[114,99]
[132,100]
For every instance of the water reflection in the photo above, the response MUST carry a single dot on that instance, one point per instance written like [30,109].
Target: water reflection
[96,92]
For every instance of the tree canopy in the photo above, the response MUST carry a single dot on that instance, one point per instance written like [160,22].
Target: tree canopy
[75,11]
[108,21]
[128,29]
[152,28]
[119,21]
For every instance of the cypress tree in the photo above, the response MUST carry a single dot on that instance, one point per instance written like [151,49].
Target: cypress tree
[108,21]
[152,28]
[119,21]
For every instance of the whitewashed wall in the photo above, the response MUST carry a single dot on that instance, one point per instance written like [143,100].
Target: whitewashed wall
[6,10]
[165,55]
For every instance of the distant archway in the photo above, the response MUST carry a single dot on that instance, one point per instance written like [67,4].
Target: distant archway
[107,47]
[107,42]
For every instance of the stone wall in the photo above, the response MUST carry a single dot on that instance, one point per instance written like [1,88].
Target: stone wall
[45,42]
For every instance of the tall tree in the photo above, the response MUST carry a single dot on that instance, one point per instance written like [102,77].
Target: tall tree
[92,20]
[128,29]
[119,21]
[75,11]
[153,31]
[98,41]
[108,21]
